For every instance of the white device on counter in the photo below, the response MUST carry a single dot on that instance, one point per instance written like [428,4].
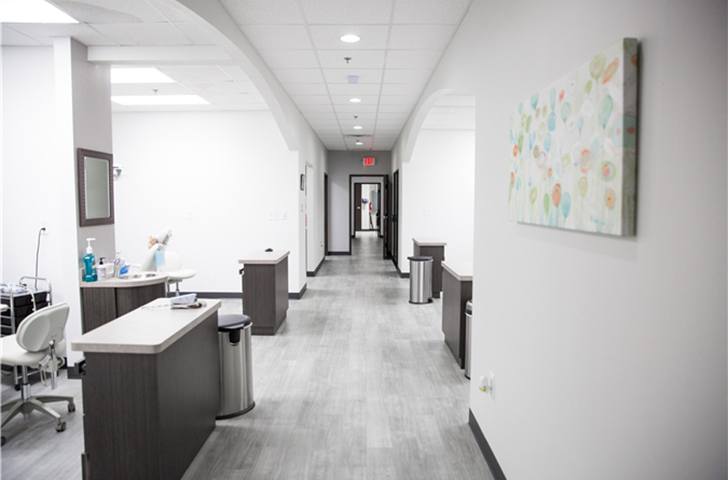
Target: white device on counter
[188,300]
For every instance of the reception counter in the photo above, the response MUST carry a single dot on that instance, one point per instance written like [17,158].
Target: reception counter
[457,289]
[150,391]
[265,290]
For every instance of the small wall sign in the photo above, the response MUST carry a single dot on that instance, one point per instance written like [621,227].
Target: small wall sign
[368,161]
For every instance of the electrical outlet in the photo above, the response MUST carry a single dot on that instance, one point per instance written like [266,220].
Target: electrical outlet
[487,384]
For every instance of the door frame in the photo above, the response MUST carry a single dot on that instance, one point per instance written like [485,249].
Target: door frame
[394,219]
[326,213]
[352,176]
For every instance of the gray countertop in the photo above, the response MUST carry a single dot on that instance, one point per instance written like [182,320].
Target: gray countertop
[141,281]
[427,242]
[462,272]
[148,329]
[264,258]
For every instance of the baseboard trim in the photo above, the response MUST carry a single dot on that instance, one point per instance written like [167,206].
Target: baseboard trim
[401,275]
[338,253]
[298,295]
[318,267]
[485,449]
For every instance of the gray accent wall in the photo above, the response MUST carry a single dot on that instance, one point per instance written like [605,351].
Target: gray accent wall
[341,164]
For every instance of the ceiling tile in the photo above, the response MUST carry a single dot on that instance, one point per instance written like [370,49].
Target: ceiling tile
[364,117]
[351,108]
[336,75]
[172,11]
[402,88]
[359,59]
[235,72]
[399,99]
[344,11]
[43,33]
[278,37]
[195,73]
[264,12]
[147,34]
[420,37]
[197,34]
[355,90]
[290,58]
[306,88]
[111,11]
[430,11]
[299,75]
[365,100]
[316,109]
[312,99]
[413,59]
[327,37]
[406,75]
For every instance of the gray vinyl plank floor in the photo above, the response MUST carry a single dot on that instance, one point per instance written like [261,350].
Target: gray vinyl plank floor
[358,384]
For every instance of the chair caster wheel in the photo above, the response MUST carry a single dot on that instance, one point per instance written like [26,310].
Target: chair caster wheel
[61,427]
[17,387]
[71,407]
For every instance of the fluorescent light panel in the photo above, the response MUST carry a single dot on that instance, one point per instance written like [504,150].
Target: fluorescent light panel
[130,100]
[138,75]
[32,11]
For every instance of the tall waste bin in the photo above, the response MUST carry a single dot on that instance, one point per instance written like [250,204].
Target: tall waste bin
[420,279]
[236,367]
[468,335]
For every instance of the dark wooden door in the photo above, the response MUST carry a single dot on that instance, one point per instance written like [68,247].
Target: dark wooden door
[326,214]
[395,218]
[384,216]
[357,208]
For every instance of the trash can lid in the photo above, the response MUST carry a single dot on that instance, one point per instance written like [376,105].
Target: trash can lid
[230,322]
[420,259]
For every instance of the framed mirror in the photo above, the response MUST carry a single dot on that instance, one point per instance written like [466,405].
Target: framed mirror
[95,187]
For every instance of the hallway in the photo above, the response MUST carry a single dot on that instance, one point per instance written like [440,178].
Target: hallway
[358,384]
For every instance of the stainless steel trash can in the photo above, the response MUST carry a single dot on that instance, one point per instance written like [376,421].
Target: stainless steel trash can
[420,279]
[468,335]
[236,367]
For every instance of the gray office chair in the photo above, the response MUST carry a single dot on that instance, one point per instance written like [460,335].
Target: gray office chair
[38,343]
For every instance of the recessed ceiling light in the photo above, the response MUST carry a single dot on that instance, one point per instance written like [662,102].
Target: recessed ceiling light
[139,75]
[355,100]
[158,100]
[358,127]
[358,143]
[350,38]
[32,11]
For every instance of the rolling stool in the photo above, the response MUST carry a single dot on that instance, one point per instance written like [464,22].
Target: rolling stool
[236,366]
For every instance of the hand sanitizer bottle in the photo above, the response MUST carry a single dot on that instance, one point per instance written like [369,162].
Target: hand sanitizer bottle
[89,263]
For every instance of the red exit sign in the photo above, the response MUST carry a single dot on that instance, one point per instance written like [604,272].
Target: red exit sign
[368,161]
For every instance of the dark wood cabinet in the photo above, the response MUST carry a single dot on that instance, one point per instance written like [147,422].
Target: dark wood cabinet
[457,290]
[265,294]
[100,305]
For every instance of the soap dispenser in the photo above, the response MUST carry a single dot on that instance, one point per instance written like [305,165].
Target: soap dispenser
[89,263]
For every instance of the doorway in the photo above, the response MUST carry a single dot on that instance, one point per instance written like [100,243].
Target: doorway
[326,213]
[369,207]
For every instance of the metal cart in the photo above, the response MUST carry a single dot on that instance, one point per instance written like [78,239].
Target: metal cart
[26,296]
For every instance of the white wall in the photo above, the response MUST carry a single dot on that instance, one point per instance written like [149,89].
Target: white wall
[436,188]
[340,164]
[225,183]
[53,103]
[609,353]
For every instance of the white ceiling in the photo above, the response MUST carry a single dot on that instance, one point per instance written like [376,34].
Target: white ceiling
[401,43]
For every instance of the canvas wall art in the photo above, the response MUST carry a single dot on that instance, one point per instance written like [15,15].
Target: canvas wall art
[573,148]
